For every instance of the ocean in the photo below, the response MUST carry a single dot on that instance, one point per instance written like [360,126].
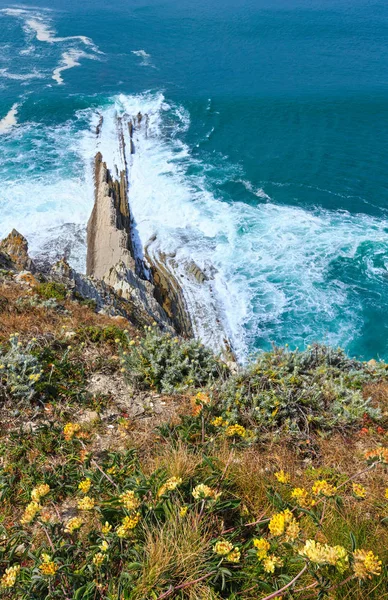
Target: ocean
[265,159]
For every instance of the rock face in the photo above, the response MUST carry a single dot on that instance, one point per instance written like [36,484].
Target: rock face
[108,233]
[14,252]
[107,299]
[112,257]
[169,294]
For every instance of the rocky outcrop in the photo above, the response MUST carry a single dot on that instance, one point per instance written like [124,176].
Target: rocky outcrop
[108,233]
[14,252]
[80,287]
[175,291]
[107,300]
[169,293]
[111,257]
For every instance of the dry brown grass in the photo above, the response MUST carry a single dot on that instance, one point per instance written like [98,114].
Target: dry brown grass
[174,551]
[379,394]
[35,322]
[176,459]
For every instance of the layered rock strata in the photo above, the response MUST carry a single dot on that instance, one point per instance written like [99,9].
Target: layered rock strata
[175,291]
[111,256]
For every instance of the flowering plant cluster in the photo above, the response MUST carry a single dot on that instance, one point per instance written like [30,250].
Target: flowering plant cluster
[20,370]
[216,503]
[167,364]
[117,515]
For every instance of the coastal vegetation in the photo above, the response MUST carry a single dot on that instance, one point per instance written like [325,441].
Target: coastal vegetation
[199,479]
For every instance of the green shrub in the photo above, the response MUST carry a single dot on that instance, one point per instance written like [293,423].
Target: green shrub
[92,304]
[35,301]
[101,335]
[298,392]
[20,371]
[164,363]
[52,289]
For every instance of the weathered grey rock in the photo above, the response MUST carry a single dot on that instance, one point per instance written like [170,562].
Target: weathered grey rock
[106,299]
[14,249]
[111,256]
[108,232]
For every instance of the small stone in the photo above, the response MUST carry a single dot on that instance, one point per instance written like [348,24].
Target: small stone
[89,416]
[27,279]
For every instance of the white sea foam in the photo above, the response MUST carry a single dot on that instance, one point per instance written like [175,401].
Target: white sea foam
[146,58]
[9,121]
[259,192]
[39,23]
[45,34]
[35,74]
[69,60]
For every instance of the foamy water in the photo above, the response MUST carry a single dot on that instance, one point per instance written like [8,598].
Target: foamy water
[283,263]
[9,120]
[37,25]
[269,262]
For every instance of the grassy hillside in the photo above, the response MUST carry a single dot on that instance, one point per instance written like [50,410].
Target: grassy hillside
[134,465]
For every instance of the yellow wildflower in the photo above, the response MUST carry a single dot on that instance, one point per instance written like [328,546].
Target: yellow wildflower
[379,454]
[170,485]
[183,511]
[271,562]
[106,528]
[292,531]
[104,546]
[358,490]
[366,564]
[39,492]
[222,548]
[322,488]
[203,491]
[238,430]
[73,524]
[279,521]
[219,422]
[86,503]
[30,512]
[302,497]
[338,557]
[122,532]
[70,429]
[132,521]
[84,485]
[315,552]
[386,493]
[321,554]
[234,556]
[262,546]
[112,470]
[98,559]
[129,500]
[48,566]
[45,557]
[282,477]
[8,579]
[127,525]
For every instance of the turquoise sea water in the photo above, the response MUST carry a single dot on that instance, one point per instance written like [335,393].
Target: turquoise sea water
[266,159]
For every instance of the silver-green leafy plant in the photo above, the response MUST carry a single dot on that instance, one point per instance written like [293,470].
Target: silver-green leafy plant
[166,364]
[20,370]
